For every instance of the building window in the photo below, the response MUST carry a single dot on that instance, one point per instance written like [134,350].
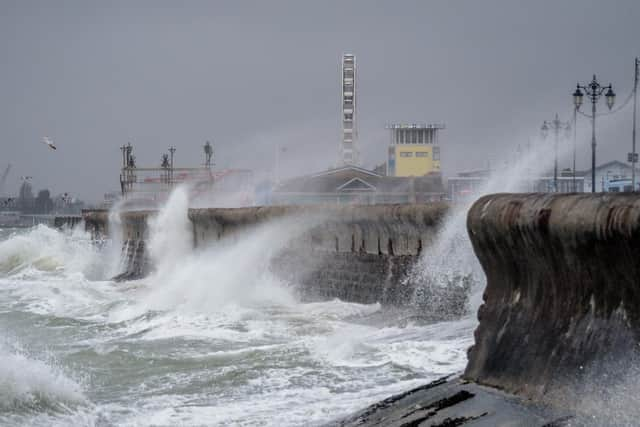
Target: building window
[414,137]
[400,137]
[436,153]
[348,116]
[422,154]
[406,154]
[420,136]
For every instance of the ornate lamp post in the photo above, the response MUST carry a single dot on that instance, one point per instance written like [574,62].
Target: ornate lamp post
[556,125]
[594,91]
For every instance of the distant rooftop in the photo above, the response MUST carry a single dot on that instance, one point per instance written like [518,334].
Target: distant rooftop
[415,126]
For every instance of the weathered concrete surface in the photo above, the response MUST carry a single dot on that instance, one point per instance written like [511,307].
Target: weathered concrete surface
[66,221]
[372,229]
[455,402]
[96,222]
[133,233]
[563,291]
[361,254]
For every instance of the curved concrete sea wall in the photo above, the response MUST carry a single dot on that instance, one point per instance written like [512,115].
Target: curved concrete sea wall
[135,235]
[361,254]
[372,229]
[96,222]
[66,221]
[563,289]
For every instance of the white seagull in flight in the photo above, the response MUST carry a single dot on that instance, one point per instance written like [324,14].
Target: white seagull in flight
[47,141]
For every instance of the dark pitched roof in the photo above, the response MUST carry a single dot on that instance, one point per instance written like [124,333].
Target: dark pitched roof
[353,178]
[349,169]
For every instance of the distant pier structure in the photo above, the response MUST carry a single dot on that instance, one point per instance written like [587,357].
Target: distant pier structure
[152,185]
[414,149]
[349,147]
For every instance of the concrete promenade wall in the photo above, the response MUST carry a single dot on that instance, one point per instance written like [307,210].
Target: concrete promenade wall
[562,300]
[66,221]
[133,232]
[371,229]
[96,222]
[361,254]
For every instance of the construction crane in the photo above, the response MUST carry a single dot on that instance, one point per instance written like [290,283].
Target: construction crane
[4,177]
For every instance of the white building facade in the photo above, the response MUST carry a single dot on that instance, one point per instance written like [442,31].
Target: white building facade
[607,173]
[349,154]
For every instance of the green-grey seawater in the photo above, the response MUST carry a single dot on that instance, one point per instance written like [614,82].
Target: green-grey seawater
[210,339]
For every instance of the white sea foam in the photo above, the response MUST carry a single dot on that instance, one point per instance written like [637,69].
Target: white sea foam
[50,251]
[451,256]
[234,270]
[212,337]
[32,384]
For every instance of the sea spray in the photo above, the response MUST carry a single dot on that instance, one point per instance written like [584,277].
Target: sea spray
[115,259]
[235,269]
[49,250]
[450,259]
[35,385]
[170,236]
[214,340]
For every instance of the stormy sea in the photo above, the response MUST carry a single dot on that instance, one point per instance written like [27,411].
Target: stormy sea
[210,338]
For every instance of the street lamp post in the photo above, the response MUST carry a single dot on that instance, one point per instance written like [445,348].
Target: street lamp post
[172,151]
[633,156]
[594,91]
[575,148]
[556,125]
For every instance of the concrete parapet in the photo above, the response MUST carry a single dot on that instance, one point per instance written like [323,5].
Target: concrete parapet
[66,221]
[133,233]
[96,222]
[360,254]
[377,229]
[563,288]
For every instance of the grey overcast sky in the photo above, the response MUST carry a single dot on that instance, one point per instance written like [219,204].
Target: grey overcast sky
[254,75]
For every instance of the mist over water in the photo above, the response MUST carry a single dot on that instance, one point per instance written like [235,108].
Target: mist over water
[211,336]
[450,258]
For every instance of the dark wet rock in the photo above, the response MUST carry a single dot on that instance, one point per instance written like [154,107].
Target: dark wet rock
[454,402]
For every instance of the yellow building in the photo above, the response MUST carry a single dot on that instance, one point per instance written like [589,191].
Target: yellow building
[413,150]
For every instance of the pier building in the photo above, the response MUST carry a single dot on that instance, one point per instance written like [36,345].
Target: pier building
[413,150]
[354,185]
[607,173]
[151,185]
